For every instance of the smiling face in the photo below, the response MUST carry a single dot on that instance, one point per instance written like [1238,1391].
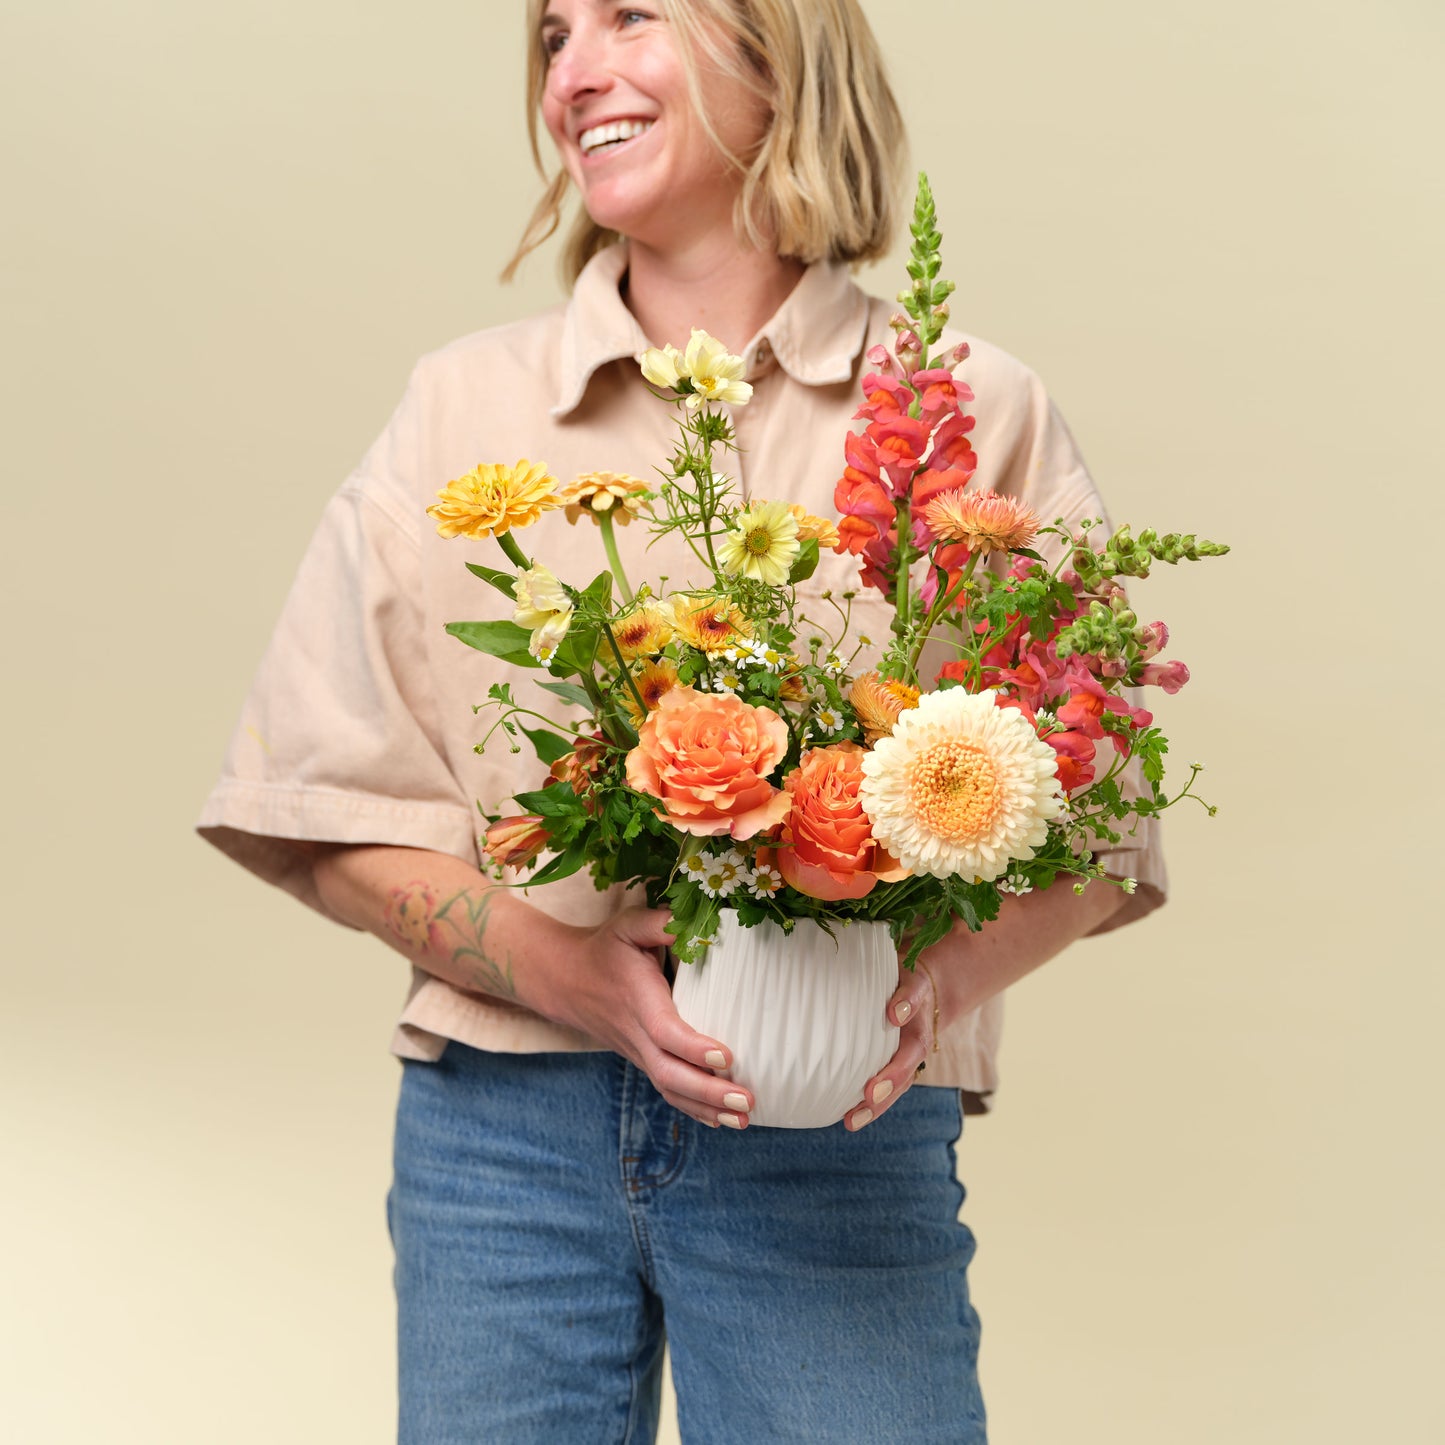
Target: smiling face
[619,110]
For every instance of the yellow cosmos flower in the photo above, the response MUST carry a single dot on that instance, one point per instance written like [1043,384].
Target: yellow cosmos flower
[615,493]
[962,787]
[716,374]
[492,499]
[817,529]
[662,366]
[708,622]
[643,630]
[763,546]
[651,680]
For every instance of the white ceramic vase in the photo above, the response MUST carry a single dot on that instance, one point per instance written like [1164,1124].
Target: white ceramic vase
[803,1013]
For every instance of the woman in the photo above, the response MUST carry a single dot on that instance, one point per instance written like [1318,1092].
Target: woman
[563,1187]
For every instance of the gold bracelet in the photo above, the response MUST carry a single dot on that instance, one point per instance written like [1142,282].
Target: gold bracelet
[936,1010]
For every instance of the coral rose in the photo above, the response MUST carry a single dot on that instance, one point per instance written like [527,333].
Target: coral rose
[827,849]
[705,757]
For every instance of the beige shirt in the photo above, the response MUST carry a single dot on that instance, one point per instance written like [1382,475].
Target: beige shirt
[359,725]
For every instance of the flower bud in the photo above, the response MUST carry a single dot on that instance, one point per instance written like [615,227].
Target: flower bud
[880,360]
[516,841]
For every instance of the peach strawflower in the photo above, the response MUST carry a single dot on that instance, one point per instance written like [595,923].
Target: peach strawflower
[962,787]
[827,849]
[651,680]
[877,702]
[595,493]
[708,622]
[706,757]
[982,521]
[819,529]
[492,499]
[644,629]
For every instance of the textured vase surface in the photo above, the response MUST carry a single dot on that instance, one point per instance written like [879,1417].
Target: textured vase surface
[803,1013]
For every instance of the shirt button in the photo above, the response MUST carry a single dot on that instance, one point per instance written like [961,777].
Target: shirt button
[762,353]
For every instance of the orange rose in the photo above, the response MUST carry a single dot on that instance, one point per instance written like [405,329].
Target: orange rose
[833,853]
[705,758]
[516,841]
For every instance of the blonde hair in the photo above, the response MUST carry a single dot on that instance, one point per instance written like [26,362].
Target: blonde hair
[825,182]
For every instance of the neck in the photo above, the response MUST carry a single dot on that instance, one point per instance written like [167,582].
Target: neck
[729,292]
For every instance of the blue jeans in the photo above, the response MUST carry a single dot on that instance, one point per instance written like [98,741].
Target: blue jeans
[552,1215]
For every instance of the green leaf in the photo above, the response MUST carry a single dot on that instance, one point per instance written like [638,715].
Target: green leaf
[504,582]
[807,561]
[564,864]
[568,692]
[557,801]
[505,640]
[549,745]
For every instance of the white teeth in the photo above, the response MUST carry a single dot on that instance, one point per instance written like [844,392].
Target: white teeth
[617,130]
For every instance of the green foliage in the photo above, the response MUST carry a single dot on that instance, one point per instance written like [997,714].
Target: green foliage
[504,582]
[504,640]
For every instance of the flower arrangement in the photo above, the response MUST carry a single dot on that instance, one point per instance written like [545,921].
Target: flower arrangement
[731,757]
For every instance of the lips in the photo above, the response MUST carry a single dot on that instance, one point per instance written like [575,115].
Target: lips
[610,134]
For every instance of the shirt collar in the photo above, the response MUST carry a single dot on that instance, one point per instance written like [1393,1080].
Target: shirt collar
[816,334]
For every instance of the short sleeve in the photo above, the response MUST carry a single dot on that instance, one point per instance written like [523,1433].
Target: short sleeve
[338,739]
[1030,453]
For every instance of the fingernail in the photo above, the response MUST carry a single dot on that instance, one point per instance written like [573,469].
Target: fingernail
[862,1117]
[736,1101]
[731,1120]
[715,1059]
[881,1090]
[903,1011]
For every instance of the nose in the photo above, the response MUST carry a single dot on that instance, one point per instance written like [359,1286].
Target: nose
[578,71]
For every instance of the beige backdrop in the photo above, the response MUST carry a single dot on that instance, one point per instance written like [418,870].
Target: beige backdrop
[1208,1204]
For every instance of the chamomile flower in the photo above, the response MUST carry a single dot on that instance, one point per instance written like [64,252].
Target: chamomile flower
[722,876]
[1015,883]
[728,680]
[764,882]
[828,721]
[695,865]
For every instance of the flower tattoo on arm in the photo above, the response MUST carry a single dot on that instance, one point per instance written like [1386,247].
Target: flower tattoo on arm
[452,929]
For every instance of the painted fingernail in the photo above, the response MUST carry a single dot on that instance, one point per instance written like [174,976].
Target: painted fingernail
[715,1059]
[862,1117]
[881,1090]
[736,1101]
[730,1120]
[903,1011]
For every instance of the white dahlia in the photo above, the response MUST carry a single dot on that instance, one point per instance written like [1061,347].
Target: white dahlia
[962,786]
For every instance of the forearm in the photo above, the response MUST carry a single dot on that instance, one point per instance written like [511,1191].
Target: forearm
[970,968]
[445,916]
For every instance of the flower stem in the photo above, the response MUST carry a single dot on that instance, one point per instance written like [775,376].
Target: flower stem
[515,554]
[609,542]
[940,606]
[624,670]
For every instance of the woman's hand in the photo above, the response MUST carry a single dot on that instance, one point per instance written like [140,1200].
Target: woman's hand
[964,970]
[605,981]
[614,990]
[918,1011]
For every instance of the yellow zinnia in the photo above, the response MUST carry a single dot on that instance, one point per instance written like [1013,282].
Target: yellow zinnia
[492,499]
[763,545]
[595,493]
[708,622]
[644,629]
[651,680]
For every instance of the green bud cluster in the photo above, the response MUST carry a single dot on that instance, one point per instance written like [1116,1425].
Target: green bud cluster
[1108,629]
[926,300]
[1125,555]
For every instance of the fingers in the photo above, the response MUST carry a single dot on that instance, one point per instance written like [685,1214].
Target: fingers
[911,1007]
[644,927]
[681,1062]
[702,1096]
